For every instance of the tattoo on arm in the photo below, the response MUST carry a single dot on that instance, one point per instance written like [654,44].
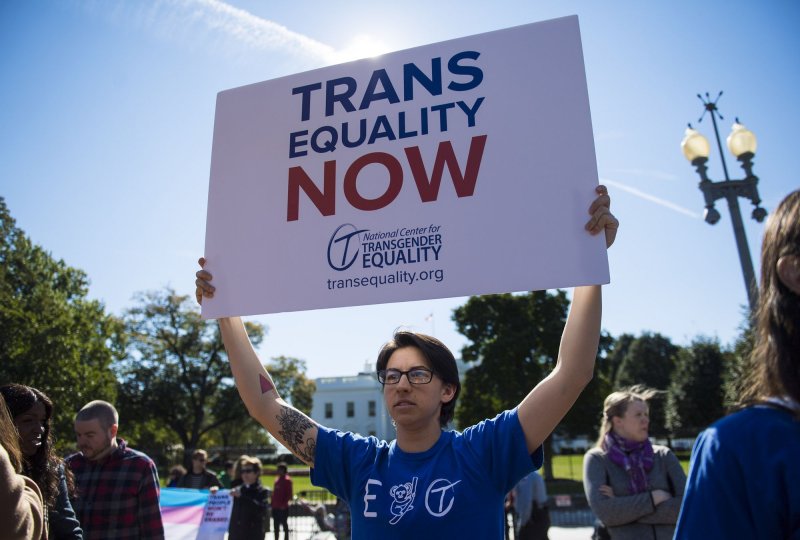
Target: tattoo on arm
[293,429]
[266,385]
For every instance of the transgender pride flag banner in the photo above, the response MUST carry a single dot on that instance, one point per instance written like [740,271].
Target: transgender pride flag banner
[190,514]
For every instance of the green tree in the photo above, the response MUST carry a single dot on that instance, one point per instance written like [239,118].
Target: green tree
[513,344]
[616,353]
[584,417]
[649,360]
[291,382]
[175,374]
[696,395]
[52,336]
[242,433]
[739,364]
[514,341]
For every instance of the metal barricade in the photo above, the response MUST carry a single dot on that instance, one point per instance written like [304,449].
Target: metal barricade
[564,510]
[316,514]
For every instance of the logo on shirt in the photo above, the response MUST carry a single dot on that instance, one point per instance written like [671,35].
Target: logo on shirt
[402,499]
[440,497]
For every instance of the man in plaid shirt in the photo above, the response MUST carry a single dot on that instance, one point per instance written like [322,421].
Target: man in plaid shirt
[117,487]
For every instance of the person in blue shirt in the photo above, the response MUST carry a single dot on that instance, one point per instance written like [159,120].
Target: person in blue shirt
[429,482]
[529,499]
[744,475]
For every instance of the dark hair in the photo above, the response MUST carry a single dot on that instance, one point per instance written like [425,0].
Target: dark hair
[441,361]
[102,411]
[43,466]
[775,361]
[9,438]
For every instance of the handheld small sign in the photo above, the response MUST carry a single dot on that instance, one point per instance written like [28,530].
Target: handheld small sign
[458,168]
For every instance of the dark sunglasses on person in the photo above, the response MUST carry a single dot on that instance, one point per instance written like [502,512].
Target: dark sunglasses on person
[415,375]
[248,471]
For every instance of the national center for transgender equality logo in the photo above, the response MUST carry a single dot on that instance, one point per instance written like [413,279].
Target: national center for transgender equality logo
[383,249]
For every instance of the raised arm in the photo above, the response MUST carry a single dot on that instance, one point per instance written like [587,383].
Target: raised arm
[292,428]
[544,407]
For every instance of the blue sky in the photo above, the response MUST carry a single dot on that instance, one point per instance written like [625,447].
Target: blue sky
[108,108]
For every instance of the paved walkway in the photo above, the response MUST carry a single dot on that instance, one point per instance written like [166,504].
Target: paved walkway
[570,533]
[555,533]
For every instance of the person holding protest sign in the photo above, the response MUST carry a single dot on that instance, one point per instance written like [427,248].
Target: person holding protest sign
[249,513]
[199,477]
[445,483]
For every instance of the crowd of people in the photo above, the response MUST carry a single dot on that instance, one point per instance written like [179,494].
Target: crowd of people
[108,489]
[435,482]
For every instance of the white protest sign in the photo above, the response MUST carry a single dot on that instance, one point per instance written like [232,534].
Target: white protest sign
[216,516]
[458,168]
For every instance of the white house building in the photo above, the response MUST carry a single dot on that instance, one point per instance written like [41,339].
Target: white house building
[352,403]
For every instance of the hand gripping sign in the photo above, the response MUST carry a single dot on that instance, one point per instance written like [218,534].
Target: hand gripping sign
[458,168]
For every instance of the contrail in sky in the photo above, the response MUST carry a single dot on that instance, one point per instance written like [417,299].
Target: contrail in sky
[253,30]
[652,198]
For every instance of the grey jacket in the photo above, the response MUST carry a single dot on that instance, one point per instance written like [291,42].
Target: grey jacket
[629,516]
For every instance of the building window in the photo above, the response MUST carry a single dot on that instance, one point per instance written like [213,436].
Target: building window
[329,410]
[372,408]
[351,409]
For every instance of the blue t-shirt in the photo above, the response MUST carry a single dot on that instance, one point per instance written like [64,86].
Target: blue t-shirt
[744,479]
[453,490]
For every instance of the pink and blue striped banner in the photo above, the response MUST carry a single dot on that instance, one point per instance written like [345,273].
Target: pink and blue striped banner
[182,512]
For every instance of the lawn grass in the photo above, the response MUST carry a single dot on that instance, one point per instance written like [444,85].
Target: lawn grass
[567,470]
[570,467]
[299,483]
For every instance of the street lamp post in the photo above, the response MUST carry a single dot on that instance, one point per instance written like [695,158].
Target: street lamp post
[742,144]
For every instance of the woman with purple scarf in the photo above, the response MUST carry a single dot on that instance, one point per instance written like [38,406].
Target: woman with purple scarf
[634,487]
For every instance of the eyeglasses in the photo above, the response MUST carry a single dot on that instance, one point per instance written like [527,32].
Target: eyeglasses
[248,471]
[416,375]
[199,459]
